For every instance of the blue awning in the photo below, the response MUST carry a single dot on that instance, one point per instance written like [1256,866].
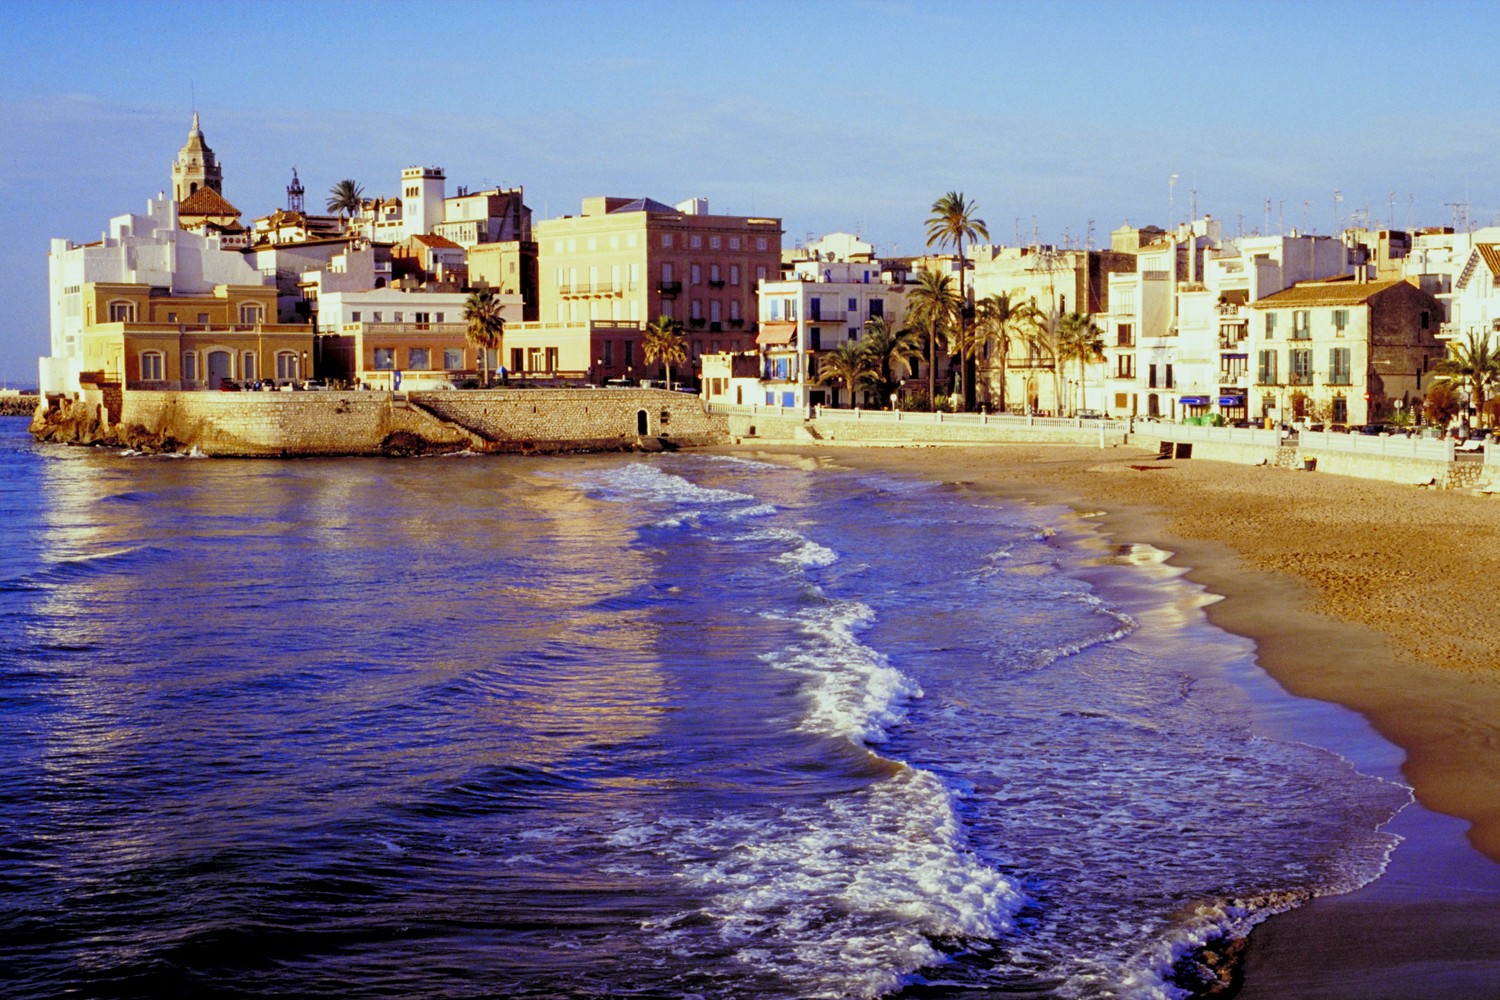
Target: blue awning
[1231,400]
[1194,400]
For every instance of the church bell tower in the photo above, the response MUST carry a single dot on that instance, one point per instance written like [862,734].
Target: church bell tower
[196,167]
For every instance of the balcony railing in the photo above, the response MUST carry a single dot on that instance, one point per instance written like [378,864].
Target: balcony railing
[594,288]
[828,316]
[669,287]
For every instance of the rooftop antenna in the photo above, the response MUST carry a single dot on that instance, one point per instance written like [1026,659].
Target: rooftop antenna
[1411,207]
[1241,216]
[1390,222]
[1267,230]
[1036,233]
[1089,241]
[1280,218]
[1018,230]
[1338,196]
[1306,203]
[1171,199]
[1195,200]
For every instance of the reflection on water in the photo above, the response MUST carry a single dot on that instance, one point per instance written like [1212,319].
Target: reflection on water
[681,726]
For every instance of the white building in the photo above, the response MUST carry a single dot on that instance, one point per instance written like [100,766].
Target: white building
[823,305]
[148,249]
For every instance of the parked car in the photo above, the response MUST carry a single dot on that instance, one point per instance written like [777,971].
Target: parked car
[228,385]
[1090,415]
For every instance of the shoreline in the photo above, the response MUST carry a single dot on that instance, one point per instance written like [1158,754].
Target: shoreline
[1288,557]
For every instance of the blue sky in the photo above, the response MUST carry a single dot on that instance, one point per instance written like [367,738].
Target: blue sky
[832,116]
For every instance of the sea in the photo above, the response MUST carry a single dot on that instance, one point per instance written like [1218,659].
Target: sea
[670,726]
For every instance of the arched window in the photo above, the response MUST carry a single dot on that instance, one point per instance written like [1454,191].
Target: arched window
[286,366]
[121,311]
[251,313]
[153,365]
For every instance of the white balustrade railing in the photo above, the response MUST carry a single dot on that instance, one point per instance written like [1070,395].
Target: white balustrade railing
[1388,445]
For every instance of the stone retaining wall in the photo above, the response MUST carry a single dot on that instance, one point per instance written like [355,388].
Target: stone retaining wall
[254,424]
[576,420]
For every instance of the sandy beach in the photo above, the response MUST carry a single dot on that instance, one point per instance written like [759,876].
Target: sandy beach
[1366,594]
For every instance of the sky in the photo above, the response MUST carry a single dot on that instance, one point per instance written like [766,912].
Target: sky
[1056,119]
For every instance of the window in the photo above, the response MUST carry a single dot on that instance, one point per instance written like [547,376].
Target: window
[854,305]
[203,318]
[385,359]
[122,312]
[453,358]
[715,311]
[695,242]
[1301,324]
[734,242]
[286,366]
[354,316]
[1171,384]
[248,366]
[713,243]
[189,366]
[423,317]
[609,353]
[696,275]
[1125,334]
[437,317]
[877,308]
[250,313]
[760,243]
[151,366]
[666,239]
[628,353]
[592,244]
[734,275]
[1125,366]
[378,318]
[1340,321]
[1300,366]
[419,359]
[171,317]
[853,332]
[399,317]
[666,272]
[760,273]
[697,312]
[1151,377]
[1426,319]
[1270,326]
[714,275]
[517,359]
[1340,410]
[1265,368]
[734,310]
[1338,366]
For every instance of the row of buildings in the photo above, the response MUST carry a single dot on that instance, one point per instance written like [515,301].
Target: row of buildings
[1193,325]
[187,296]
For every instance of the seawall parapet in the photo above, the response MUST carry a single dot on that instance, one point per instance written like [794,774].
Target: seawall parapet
[291,424]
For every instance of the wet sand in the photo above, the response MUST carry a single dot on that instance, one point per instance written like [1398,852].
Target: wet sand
[1370,595]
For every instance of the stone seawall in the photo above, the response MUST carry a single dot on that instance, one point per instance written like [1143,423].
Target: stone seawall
[291,424]
[525,420]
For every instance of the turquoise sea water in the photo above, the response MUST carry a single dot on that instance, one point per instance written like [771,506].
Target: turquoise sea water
[668,726]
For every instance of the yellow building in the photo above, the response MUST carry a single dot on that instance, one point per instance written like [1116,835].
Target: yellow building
[631,261]
[143,337]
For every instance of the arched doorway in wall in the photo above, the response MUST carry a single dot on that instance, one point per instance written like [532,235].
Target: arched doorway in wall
[642,423]
[220,367]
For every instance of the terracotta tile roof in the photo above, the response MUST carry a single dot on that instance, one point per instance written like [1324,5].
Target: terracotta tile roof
[206,201]
[1337,292]
[437,242]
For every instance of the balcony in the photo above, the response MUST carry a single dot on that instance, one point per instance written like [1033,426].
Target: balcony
[828,316]
[586,288]
[716,283]
[669,287]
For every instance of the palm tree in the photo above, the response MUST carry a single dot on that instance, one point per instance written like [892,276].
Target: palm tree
[850,364]
[663,340]
[1472,364]
[1001,319]
[1079,337]
[486,327]
[346,198]
[952,221]
[931,306]
[887,346]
